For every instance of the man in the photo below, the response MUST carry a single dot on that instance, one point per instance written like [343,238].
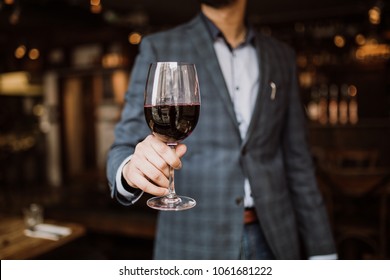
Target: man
[247,162]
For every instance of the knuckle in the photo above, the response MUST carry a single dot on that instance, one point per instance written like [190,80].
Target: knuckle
[139,147]
[161,165]
[155,177]
[162,149]
[176,164]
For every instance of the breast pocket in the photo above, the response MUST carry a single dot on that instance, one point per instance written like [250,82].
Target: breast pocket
[276,96]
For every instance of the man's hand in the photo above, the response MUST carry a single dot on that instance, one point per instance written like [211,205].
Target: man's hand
[148,168]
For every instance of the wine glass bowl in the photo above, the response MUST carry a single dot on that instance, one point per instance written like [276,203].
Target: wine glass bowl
[172,123]
[172,107]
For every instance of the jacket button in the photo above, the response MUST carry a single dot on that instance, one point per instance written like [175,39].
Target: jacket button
[239,200]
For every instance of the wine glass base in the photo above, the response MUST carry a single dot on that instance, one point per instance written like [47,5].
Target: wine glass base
[171,204]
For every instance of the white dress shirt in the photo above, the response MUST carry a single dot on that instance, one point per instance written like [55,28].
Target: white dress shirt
[241,72]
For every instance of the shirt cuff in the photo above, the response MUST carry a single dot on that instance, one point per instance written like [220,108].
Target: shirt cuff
[133,197]
[324,257]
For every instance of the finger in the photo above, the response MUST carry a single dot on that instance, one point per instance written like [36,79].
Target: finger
[149,170]
[168,154]
[180,150]
[147,178]
[147,186]
[145,152]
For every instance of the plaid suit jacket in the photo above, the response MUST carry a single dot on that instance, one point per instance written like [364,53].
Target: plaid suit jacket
[274,155]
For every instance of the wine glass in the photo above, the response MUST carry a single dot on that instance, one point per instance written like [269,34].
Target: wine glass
[172,106]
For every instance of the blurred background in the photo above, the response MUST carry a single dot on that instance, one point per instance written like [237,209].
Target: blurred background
[64,69]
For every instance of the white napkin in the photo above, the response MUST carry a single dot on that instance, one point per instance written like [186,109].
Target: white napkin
[48,231]
[60,230]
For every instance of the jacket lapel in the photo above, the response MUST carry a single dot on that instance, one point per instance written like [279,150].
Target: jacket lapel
[205,50]
[263,88]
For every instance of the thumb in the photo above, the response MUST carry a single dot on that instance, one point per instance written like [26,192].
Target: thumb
[180,150]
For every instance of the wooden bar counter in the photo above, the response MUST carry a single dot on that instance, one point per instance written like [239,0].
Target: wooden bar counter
[16,245]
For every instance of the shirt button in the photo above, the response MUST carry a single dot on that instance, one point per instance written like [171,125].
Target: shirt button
[237,88]
[239,200]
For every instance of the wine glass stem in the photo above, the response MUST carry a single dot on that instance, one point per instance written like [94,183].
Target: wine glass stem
[171,188]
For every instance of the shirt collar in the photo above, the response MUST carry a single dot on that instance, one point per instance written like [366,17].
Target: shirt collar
[215,33]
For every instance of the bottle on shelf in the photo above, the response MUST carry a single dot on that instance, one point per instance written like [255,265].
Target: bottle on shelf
[333,104]
[323,105]
[343,104]
[313,105]
[353,105]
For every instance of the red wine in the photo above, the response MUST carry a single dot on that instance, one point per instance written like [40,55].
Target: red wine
[172,123]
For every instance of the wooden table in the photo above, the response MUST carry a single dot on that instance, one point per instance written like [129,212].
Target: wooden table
[15,245]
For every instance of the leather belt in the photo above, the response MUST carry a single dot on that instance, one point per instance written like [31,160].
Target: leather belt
[250,216]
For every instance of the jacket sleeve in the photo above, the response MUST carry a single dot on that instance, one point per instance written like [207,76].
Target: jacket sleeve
[132,127]
[307,200]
